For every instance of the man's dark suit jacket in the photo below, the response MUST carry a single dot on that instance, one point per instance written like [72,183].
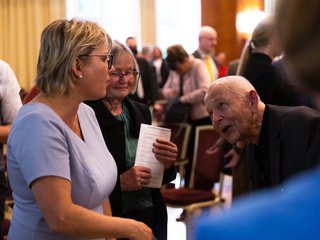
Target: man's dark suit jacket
[293,139]
[149,81]
[197,54]
[114,136]
[164,72]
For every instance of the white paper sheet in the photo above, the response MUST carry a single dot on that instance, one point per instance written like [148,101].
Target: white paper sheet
[145,157]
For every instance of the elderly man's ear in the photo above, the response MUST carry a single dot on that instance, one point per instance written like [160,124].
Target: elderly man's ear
[254,100]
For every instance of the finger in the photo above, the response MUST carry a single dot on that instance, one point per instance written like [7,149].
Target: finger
[166,148]
[165,154]
[165,141]
[234,162]
[144,181]
[145,175]
[228,154]
[141,169]
[212,150]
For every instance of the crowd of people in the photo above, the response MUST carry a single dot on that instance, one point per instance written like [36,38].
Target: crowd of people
[77,178]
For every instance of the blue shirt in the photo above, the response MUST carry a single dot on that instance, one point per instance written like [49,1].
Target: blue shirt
[289,212]
[41,144]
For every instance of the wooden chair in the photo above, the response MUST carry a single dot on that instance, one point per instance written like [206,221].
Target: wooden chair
[180,133]
[206,171]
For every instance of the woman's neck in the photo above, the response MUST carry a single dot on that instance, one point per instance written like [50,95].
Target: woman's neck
[114,106]
[63,106]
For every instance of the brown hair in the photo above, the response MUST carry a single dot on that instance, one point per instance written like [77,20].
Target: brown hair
[176,54]
[261,36]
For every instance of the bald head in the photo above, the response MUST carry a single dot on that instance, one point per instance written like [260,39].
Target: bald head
[235,109]
[208,39]
[230,85]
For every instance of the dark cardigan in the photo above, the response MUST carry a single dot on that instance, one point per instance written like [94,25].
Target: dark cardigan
[114,136]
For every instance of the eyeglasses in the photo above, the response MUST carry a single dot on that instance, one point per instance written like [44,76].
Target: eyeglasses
[107,58]
[128,74]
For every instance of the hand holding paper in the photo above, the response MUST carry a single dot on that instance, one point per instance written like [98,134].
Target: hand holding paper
[165,152]
[146,157]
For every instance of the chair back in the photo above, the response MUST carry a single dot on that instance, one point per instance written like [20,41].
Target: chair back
[207,166]
[180,133]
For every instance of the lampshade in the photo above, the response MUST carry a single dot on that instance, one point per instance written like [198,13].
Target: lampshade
[248,20]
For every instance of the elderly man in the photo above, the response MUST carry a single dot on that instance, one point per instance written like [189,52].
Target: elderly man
[208,40]
[282,141]
[294,212]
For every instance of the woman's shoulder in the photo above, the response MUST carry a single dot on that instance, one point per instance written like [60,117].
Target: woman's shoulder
[136,105]
[36,111]
[195,61]
[138,110]
[34,119]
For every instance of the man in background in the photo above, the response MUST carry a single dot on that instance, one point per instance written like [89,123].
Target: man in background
[10,103]
[148,76]
[208,40]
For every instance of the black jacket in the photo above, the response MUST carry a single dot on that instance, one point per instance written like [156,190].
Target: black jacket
[293,138]
[114,136]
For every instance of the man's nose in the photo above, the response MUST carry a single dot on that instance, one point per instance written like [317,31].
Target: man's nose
[215,118]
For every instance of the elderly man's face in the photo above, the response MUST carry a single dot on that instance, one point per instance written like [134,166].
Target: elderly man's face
[230,114]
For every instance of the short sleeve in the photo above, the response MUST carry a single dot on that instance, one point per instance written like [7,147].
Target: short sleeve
[38,145]
[9,91]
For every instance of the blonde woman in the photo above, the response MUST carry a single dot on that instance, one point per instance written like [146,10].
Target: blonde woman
[60,170]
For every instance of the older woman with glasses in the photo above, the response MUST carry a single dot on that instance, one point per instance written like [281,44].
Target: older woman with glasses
[60,170]
[120,118]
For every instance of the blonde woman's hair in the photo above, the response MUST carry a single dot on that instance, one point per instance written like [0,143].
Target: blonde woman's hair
[62,41]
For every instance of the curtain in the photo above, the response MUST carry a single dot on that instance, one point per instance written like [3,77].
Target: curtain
[148,21]
[21,24]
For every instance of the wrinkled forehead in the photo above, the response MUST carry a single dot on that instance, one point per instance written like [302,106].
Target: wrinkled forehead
[217,93]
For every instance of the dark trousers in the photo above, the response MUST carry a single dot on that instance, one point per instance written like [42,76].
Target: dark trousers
[3,196]
[147,217]
[194,124]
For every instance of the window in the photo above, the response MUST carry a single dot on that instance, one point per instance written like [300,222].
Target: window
[177,21]
[120,18]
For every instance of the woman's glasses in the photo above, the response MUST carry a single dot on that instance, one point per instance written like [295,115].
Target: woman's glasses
[107,58]
[116,75]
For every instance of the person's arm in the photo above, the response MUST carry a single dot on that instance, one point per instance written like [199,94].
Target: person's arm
[107,208]
[235,154]
[170,89]
[10,97]
[108,212]
[4,132]
[53,196]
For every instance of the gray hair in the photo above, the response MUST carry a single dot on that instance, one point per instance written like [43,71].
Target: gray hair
[117,50]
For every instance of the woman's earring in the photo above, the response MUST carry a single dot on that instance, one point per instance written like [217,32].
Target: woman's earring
[80,76]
